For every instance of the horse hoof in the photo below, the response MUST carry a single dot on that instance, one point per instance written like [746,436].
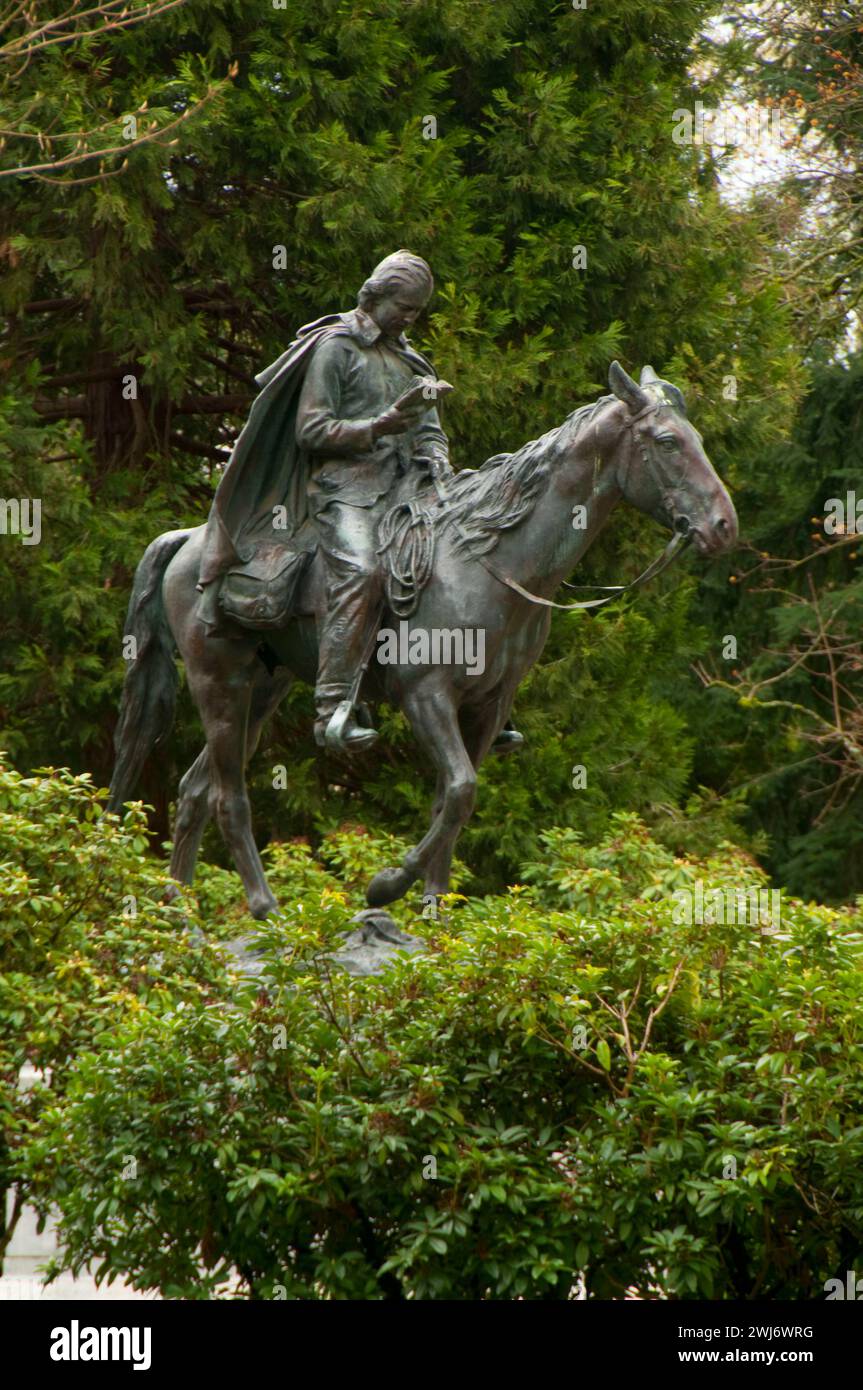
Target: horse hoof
[387,886]
[262,910]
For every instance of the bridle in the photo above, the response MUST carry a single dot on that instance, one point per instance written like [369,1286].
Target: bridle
[679,541]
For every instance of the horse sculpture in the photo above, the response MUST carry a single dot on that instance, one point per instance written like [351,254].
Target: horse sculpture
[505,538]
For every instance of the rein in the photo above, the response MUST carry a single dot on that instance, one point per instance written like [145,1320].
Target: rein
[678,542]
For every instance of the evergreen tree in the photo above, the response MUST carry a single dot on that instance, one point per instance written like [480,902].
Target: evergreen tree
[526,150]
[784,723]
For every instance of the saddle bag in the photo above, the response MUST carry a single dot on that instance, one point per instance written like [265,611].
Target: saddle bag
[262,592]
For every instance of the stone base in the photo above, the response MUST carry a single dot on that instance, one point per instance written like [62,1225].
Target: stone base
[375,942]
[368,950]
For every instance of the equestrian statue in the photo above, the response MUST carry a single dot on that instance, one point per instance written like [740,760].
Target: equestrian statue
[339,516]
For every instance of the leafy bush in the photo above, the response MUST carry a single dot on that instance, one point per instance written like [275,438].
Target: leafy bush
[84,942]
[543,1103]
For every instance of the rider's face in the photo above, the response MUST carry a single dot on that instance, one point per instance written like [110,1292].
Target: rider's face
[398,310]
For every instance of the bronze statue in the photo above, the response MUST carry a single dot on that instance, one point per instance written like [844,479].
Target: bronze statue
[339,513]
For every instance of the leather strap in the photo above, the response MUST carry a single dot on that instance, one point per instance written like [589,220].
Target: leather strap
[678,541]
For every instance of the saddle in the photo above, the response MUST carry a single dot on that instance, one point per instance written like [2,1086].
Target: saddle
[264,593]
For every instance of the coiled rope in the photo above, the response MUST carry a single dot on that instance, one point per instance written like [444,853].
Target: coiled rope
[407,544]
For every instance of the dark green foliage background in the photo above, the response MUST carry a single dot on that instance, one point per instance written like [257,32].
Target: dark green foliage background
[554,131]
[561,1161]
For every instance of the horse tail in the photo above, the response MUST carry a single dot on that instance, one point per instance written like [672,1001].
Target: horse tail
[150,687]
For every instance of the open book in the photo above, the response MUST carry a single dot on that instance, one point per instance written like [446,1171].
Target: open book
[424,393]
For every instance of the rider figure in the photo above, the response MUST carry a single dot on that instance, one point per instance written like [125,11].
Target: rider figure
[327,440]
[364,456]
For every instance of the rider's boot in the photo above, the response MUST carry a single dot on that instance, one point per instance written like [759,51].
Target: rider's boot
[337,728]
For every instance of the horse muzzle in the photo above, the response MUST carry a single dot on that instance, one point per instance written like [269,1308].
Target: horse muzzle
[716,534]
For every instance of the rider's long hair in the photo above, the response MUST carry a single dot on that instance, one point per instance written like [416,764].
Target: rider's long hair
[401,268]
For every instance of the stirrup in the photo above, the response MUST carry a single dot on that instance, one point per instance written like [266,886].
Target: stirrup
[339,737]
[507,741]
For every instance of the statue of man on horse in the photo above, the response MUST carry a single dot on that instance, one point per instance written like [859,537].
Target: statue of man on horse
[326,517]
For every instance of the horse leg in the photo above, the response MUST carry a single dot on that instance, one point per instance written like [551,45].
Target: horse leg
[437,869]
[193,809]
[224,704]
[192,815]
[434,720]
[479,731]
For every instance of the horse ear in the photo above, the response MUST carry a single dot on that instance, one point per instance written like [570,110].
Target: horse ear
[627,390]
[670,394]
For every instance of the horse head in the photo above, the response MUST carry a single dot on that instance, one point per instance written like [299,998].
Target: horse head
[667,474]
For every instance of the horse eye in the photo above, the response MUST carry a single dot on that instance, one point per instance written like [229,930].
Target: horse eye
[668,442]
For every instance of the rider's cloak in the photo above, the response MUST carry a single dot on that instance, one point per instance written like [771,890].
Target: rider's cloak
[267,468]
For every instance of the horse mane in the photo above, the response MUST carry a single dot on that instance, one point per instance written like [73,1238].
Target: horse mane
[505,489]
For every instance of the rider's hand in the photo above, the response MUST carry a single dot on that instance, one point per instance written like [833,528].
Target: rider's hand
[395,422]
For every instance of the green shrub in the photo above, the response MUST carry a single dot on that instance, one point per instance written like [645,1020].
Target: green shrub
[85,942]
[546,1101]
